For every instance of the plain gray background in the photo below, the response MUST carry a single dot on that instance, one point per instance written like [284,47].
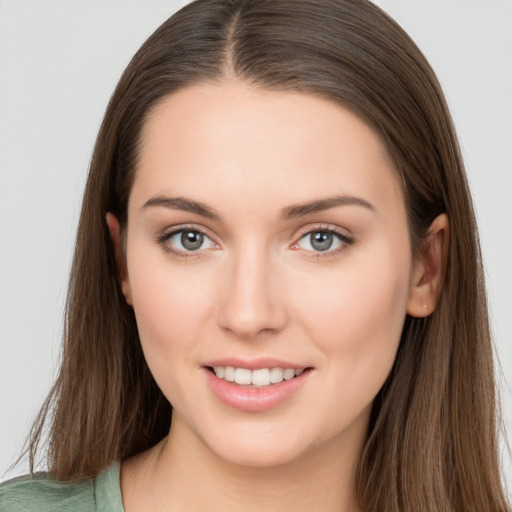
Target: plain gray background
[59,63]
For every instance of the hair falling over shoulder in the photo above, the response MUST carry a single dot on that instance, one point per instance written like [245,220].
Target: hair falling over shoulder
[432,444]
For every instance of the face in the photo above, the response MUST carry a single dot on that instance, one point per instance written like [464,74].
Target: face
[267,242]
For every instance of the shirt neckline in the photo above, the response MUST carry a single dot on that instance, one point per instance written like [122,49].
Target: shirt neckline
[107,490]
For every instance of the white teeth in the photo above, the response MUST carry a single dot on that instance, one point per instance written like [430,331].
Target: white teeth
[257,378]
[288,374]
[276,375]
[219,371]
[229,374]
[243,376]
[261,377]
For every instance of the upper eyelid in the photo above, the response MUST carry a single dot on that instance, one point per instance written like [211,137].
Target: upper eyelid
[346,240]
[163,239]
[169,231]
[164,236]
[342,232]
[330,228]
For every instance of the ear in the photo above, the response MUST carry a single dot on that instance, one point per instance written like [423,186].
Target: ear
[115,235]
[429,270]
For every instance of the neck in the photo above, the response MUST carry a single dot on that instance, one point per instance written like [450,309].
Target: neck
[181,473]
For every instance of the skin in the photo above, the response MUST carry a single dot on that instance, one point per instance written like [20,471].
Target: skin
[257,288]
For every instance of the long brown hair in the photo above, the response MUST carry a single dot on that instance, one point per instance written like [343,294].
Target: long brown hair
[432,442]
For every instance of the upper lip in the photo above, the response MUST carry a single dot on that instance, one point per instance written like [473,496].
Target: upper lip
[255,363]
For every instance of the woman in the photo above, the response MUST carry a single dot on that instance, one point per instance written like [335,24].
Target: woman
[276,238]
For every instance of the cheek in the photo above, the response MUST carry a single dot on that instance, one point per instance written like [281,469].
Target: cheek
[357,316]
[355,322]
[171,306]
[171,309]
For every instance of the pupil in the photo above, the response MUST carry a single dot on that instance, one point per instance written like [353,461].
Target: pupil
[321,241]
[191,240]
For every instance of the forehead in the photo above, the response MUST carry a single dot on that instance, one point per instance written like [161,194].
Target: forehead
[232,138]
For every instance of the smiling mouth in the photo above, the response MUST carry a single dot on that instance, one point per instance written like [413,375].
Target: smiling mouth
[262,377]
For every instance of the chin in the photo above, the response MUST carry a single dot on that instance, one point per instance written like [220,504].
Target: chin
[259,458]
[259,449]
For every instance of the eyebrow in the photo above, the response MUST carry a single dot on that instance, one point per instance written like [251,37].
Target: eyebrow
[181,203]
[301,210]
[290,212]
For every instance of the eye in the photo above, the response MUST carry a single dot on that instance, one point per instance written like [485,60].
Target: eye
[187,240]
[323,240]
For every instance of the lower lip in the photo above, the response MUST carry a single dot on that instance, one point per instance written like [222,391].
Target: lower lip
[252,399]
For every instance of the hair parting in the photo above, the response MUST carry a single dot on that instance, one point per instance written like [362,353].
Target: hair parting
[432,443]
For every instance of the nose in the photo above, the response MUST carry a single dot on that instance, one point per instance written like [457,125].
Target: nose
[253,300]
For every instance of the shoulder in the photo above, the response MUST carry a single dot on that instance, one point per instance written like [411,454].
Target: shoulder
[44,493]
[41,492]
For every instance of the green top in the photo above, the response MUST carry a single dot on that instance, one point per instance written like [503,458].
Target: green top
[42,492]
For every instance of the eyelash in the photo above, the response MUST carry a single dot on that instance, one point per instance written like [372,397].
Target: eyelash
[346,241]
[164,238]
